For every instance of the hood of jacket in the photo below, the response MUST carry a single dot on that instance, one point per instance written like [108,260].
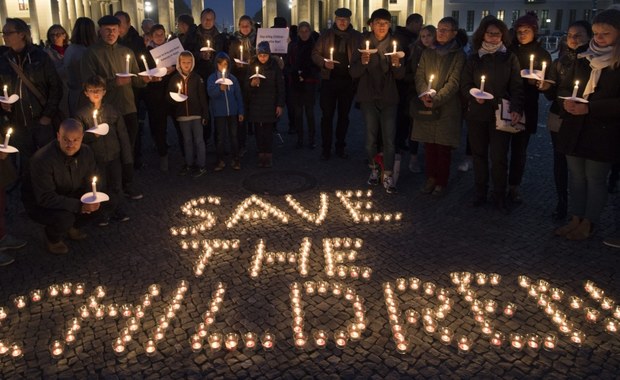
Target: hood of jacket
[184,75]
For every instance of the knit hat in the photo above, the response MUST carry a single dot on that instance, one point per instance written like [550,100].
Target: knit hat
[343,12]
[529,20]
[381,14]
[279,22]
[263,48]
[108,20]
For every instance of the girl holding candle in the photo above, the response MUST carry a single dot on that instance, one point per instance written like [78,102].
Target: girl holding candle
[490,59]
[265,101]
[590,132]
[524,46]
[440,133]
[577,38]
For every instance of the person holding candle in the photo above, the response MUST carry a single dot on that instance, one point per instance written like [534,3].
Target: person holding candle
[524,46]
[266,100]
[208,36]
[111,150]
[337,88]
[492,61]
[378,95]
[441,132]
[226,104]
[578,35]
[60,173]
[192,113]
[590,132]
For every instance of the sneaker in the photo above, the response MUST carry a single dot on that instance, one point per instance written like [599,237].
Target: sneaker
[76,234]
[220,166]
[612,241]
[466,165]
[6,259]
[11,242]
[184,170]
[374,177]
[132,193]
[236,165]
[58,248]
[414,165]
[388,183]
[428,187]
[200,172]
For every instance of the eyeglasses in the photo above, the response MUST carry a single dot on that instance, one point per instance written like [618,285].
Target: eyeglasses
[59,34]
[493,34]
[445,30]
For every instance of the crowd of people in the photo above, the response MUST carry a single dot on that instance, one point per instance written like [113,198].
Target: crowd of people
[413,84]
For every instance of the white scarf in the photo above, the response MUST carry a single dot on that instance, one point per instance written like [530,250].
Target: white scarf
[488,48]
[599,59]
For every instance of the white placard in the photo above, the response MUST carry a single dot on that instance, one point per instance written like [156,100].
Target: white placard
[167,53]
[277,38]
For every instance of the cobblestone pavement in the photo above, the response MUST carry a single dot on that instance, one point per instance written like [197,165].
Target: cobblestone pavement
[435,237]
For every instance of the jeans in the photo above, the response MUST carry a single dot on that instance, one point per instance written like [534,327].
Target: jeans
[335,94]
[438,158]
[226,125]
[192,137]
[588,187]
[380,118]
[502,172]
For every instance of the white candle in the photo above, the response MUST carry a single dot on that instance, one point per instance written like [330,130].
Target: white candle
[224,73]
[394,44]
[367,45]
[6,91]
[482,79]
[241,52]
[209,44]
[430,81]
[575,89]
[532,64]
[179,85]
[146,65]
[94,185]
[256,70]
[95,124]
[157,62]
[331,54]
[127,64]
[7,137]
[544,68]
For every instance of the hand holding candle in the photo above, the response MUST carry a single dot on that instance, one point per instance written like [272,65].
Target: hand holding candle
[7,137]
[127,63]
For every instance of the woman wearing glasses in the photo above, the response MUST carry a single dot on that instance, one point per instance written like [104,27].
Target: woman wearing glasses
[55,46]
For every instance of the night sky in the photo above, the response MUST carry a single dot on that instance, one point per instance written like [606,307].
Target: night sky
[223,9]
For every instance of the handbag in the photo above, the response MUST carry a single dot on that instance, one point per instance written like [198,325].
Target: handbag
[503,121]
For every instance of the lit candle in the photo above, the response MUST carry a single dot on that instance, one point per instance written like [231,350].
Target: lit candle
[430,82]
[20,302]
[241,52]
[249,339]
[575,89]
[127,64]
[267,340]
[482,79]
[118,346]
[232,341]
[446,335]
[224,73]
[341,337]
[35,296]
[150,347]
[607,303]
[497,339]
[53,290]
[320,338]
[533,341]
[592,314]
[4,347]
[16,351]
[331,54]
[94,186]
[464,344]
[7,137]
[575,302]
[179,85]
[550,342]
[256,70]
[577,337]
[611,325]
[209,44]
[195,342]
[157,62]
[516,341]
[154,290]
[494,279]
[6,91]
[56,349]
[146,65]
[367,48]
[544,68]
[95,123]
[532,64]
[394,45]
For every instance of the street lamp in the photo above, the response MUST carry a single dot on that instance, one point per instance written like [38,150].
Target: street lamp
[148,8]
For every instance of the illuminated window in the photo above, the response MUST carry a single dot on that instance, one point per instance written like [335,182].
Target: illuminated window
[544,19]
[23,5]
[484,13]
[500,14]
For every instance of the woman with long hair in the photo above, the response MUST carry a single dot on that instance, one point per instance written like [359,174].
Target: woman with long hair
[82,36]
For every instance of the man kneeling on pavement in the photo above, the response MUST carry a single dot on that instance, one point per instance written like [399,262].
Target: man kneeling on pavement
[60,173]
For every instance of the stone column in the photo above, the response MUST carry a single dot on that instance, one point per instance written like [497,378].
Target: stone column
[238,11]
[303,11]
[71,9]
[79,8]
[3,13]
[34,21]
[270,10]
[196,10]
[54,7]
[87,8]
[316,17]
[163,12]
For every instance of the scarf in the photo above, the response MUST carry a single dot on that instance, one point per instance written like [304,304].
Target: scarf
[599,59]
[383,47]
[446,48]
[488,48]
[345,36]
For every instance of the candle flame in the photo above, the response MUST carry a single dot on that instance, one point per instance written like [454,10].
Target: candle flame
[5,87]
[128,57]
[94,179]
[9,131]
[432,77]
[576,83]
[482,78]
[179,85]
[95,113]
[142,57]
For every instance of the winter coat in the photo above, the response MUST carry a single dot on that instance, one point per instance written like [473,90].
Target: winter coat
[264,99]
[299,65]
[446,68]
[596,135]
[326,41]
[224,103]
[558,72]
[218,41]
[377,79]
[39,68]
[249,50]
[106,61]
[71,65]
[113,145]
[193,86]
[56,180]
[135,42]
[523,53]
[502,80]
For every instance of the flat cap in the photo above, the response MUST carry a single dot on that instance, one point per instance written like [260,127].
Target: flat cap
[381,14]
[343,12]
[108,20]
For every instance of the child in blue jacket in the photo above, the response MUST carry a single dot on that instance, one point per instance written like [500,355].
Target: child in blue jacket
[226,104]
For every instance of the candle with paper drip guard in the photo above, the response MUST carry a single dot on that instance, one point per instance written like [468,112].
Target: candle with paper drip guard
[394,50]
[94,187]
[224,73]
[575,89]
[7,137]
[482,80]
[367,48]
[146,65]
[542,74]
[127,63]
[531,64]
[331,54]
[179,85]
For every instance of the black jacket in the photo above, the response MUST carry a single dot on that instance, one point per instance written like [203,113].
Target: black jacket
[135,42]
[299,63]
[193,86]
[558,72]
[57,181]
[502,80]
[595,136]
[263,100]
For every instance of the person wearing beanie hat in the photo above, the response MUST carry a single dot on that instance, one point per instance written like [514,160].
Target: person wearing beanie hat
[279,22]
[524,46]
[337,86]
[263,48]
[378,94]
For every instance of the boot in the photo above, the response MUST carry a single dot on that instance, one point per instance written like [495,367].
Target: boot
[574,223]
[268,160]
[582,232]
[561,208]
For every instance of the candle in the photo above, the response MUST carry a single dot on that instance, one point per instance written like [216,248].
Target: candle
[35,296]
[4,347]
[95,123]
[224,73]
[3,313]
[401,284]
[300,339]
[94,186]
[249,340]
[497,339]
[7,137]
[268,340]
[430,82]
[577,337]
[209,44]
[394,45]
[157,62]
[159,333]
[575,89]
[20,302]
[592,314]
[550,341]
[79,288]
[66,289]
[232,341]
[57,348]
[445,334]
[516,341]
[150,347]
[366,273]
[544,68]
[524,281]
[320,338]
[412,316]
[607,303]
[482,79]
[195,342]
[575,302]
[146,66]
[241,52]
[494,279]
[118,346]
[509,309]
[367,45]
[69,336]
[113,310]
[331,54]
[256,70]
[154,290]
[557,294]
[127,63]
[464,344]
[74,324]
[341,337]
[6,91]
[179,85]
[16,351]
[532,64]
[533,341]
[133,324]
[611,325]
[100,312]
[354,332]
[486,327]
